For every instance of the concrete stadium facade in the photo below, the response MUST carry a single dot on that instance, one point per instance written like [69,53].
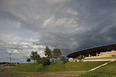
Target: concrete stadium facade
[103,53]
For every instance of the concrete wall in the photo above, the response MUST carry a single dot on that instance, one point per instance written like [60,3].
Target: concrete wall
[101,59]
[103,56]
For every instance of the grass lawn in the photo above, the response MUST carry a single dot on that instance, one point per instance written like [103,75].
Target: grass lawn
[56,67]
[106,71]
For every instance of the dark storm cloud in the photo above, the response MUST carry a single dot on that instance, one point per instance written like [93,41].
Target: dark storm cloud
[99,27]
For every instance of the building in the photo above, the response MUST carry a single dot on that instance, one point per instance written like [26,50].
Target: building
[103,53]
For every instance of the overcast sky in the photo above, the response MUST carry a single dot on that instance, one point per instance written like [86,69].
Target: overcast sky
[70,25]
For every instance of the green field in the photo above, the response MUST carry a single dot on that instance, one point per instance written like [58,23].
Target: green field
[56,67]
[106,71]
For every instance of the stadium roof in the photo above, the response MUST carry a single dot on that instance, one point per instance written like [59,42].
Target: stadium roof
[93,51]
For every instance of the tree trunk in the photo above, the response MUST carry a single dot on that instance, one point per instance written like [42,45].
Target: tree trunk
[34,61]
[52,60]
[56,60]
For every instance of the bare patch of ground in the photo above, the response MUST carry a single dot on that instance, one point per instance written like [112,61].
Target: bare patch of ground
[4,73]
[55,74]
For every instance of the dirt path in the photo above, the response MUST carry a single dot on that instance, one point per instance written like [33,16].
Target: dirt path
[4,73]
[100,66]
[44,74]
[56,74]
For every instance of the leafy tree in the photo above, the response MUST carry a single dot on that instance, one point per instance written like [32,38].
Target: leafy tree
[48,52]
[63,59]
[57,53]
[35,56]
[38,58]
[28,60]
[44,61]
[80,57]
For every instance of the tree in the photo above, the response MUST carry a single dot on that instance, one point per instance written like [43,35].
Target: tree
[63,59]
[28,60]
[56,53]
[48,52]
[80,57]
[44,61]
[38,58]
[35,56]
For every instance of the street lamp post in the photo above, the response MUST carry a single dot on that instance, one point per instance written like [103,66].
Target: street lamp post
[10,58]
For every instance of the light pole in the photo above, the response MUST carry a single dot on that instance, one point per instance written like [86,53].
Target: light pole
[10,58]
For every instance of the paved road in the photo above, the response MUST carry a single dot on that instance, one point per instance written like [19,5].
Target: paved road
[4,73]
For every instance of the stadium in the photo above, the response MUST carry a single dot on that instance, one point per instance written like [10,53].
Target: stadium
[103,53]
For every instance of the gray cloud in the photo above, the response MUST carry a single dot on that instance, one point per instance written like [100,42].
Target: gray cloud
[70,25]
